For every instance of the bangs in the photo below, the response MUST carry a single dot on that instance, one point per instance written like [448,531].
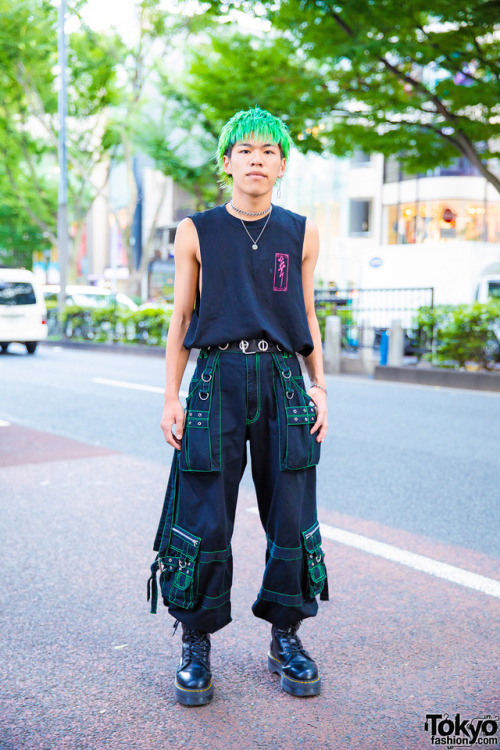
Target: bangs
[252,124]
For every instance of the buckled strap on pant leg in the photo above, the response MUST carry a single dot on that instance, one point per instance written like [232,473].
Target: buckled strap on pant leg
[324,596]
[207,374]
[285,375]
[282,365]
[153,587]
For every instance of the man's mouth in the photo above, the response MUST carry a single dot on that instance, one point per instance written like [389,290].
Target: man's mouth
[255,174]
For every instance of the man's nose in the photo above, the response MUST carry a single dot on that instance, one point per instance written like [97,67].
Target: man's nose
[256,160]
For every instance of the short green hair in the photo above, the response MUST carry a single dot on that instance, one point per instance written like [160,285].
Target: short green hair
[257,122]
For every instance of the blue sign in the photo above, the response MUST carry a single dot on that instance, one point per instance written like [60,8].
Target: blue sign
[376,262]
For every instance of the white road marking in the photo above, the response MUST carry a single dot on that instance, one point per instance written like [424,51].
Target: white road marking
[451,573]
[125,384]
[133,386]
[402,384]
[3,423]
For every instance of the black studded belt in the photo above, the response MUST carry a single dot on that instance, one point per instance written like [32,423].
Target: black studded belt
[249,346]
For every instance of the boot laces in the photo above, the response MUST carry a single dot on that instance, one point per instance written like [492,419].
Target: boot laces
[293,642]
[198,643]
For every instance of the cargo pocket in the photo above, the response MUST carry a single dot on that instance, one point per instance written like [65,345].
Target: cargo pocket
[298,448]
[179,569]
[196,453]
[200,450]
[301,448]
[316,577]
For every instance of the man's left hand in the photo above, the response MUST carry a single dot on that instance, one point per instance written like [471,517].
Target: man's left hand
[318,396]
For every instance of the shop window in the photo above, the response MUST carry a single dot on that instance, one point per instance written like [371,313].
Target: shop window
[359,217]
[441,221]
[360,159]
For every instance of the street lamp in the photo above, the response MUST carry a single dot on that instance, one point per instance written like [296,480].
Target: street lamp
[46,257]
[62,208]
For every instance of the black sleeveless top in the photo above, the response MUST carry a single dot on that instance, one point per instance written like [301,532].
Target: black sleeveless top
[250,293]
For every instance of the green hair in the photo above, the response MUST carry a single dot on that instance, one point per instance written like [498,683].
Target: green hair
[257,122]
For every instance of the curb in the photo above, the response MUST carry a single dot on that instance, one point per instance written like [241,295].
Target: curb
[137,349]
[148,351]
[477,381]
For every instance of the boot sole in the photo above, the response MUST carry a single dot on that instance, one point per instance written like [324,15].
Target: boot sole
[300,688]
[194,697]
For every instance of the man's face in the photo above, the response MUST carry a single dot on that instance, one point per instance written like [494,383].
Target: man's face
[255,166]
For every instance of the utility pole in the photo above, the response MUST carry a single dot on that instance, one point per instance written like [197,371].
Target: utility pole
[62,208]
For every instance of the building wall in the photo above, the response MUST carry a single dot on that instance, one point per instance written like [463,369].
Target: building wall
[427,231]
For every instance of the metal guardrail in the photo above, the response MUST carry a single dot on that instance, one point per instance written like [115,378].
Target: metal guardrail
[366,313]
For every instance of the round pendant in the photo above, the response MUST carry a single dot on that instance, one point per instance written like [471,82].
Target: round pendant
[255,247]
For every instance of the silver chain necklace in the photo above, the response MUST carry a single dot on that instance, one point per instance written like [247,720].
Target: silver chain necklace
[255,245]
[251,213]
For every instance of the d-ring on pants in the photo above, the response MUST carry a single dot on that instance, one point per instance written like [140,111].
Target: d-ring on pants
[235,397]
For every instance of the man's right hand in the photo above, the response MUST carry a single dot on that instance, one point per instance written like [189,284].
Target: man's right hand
[173,414]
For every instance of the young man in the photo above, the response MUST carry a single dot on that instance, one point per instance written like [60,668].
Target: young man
[244,296]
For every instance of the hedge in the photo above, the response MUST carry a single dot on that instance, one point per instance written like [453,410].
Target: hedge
[461,334]
[107,324]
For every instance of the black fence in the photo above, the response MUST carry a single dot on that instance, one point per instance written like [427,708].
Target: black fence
[366,313]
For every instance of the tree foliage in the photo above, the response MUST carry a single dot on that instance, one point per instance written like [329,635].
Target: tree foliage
[421,80]
[29,121]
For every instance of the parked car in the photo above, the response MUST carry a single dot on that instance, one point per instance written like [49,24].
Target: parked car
[488,288]
[89,296]
[84,296]
[158,304]
[23,315]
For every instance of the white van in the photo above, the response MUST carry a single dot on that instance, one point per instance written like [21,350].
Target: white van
[23,315]
[488,288]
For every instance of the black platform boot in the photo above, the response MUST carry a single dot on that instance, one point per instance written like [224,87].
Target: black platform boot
[193,680]
[287,657]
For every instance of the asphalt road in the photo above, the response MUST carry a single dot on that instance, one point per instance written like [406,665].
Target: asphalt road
[424,460]
[408,506]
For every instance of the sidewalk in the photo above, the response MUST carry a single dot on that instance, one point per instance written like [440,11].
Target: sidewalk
[86,667]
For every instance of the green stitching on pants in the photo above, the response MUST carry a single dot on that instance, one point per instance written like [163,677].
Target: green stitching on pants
[257,374]
[277,416]
[280,598]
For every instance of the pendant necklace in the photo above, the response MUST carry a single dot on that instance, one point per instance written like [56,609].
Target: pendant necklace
[255,245]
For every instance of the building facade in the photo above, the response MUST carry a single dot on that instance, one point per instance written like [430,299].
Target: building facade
[381,228]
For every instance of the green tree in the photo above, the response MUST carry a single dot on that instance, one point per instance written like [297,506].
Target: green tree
[420,81]
[29,122]
[209,87]
[19,238]
[151,117]
[181,142]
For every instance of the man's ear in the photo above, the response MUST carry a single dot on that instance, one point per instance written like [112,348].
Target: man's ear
[282,167]
[226,161]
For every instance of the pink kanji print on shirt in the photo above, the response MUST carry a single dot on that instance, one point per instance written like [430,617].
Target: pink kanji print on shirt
[280,272]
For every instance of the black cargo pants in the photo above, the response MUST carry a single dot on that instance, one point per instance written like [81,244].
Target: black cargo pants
[235,397]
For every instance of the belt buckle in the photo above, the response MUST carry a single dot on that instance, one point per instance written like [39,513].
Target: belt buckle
[244,344]
[263,345]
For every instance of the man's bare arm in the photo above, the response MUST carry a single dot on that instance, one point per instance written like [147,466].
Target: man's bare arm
[187,268]
[314,362]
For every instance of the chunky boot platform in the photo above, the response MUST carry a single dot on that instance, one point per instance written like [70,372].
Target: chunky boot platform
[288,658]
[193,680]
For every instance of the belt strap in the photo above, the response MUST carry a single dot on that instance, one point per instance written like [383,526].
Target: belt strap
[249,346]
